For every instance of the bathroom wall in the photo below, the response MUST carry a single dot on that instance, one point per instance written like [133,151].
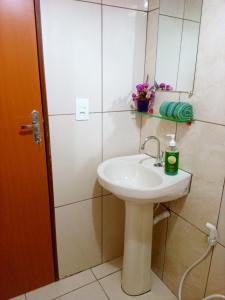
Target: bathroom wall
[182,239]
[94,51]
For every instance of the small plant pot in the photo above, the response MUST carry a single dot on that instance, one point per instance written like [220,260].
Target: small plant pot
[142,105]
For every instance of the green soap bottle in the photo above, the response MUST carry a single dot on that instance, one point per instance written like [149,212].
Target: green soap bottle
[171,156]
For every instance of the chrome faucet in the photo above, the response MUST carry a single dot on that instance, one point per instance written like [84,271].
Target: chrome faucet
[158,162]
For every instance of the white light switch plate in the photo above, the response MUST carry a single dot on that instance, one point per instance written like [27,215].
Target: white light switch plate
[82,109]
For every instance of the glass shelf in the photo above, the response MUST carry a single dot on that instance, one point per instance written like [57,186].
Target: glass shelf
[150,115]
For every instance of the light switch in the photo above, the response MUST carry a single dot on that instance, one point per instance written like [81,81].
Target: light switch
[82,109]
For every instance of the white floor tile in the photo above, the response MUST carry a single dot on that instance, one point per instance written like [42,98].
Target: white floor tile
[61,287]
[92,291]
[112,286]
[21,297]
[108,268]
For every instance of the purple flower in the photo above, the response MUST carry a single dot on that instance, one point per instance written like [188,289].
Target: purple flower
[146,85]
[140,87]
[134,96]
[162,86]
[168,87]
[153,95]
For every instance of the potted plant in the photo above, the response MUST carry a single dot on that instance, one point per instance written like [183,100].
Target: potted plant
[145,95]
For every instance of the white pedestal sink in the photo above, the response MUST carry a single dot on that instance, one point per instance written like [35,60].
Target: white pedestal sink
[140,184]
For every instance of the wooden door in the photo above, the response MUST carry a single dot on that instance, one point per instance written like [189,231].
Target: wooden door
[26,252]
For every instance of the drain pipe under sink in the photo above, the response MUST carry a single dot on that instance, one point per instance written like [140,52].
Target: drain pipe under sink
[212,241]
[162,216]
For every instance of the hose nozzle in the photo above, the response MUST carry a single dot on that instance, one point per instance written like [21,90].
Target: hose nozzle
[212,238]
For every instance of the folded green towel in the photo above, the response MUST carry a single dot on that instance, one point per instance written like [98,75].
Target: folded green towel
[176,110]
[163,108]
[171,108]
[183,111]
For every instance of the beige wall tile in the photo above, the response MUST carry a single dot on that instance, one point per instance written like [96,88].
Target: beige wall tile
[158,128]
[107,268]
[74,165]
[173,8]
[185,244]
[134,4]
[221,224]
[68,55]
[113,227]
[209,92]
[121,134]
[159,244]
[202,148]
[153,4]
[202,204]
[78,232]
[216,282]
[193,10]
[162,96]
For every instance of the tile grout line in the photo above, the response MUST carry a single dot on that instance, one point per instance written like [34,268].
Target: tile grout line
[154,9]
[119,270]
[222,245]
[74,289]
[179,18]
[122,111]
[207,279]
[102,124]
[164,256]
[127,8]
[145,76]
[99,284]
[91,112]
[107,296]
[156,46]
[146,45]
[221,200]
[180,48]
[209,122]
[71,203]
[109,5]
[181,217]
[196,61]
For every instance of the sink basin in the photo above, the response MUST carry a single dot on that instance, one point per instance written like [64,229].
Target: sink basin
[140,184]
[135,178]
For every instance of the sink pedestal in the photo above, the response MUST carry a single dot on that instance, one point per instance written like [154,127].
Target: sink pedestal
[136,274]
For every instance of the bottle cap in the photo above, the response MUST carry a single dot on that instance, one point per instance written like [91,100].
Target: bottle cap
[172,142]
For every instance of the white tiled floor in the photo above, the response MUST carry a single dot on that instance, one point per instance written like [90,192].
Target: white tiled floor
[99,283]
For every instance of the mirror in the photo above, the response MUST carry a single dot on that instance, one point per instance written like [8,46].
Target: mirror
[177,46]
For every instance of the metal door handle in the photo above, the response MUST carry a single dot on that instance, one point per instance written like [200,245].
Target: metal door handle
[27,126]
[35,126]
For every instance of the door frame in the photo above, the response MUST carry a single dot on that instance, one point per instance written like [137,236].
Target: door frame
[37,12]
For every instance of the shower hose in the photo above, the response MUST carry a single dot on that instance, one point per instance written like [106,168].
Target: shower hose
[212,241]
[218,296]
